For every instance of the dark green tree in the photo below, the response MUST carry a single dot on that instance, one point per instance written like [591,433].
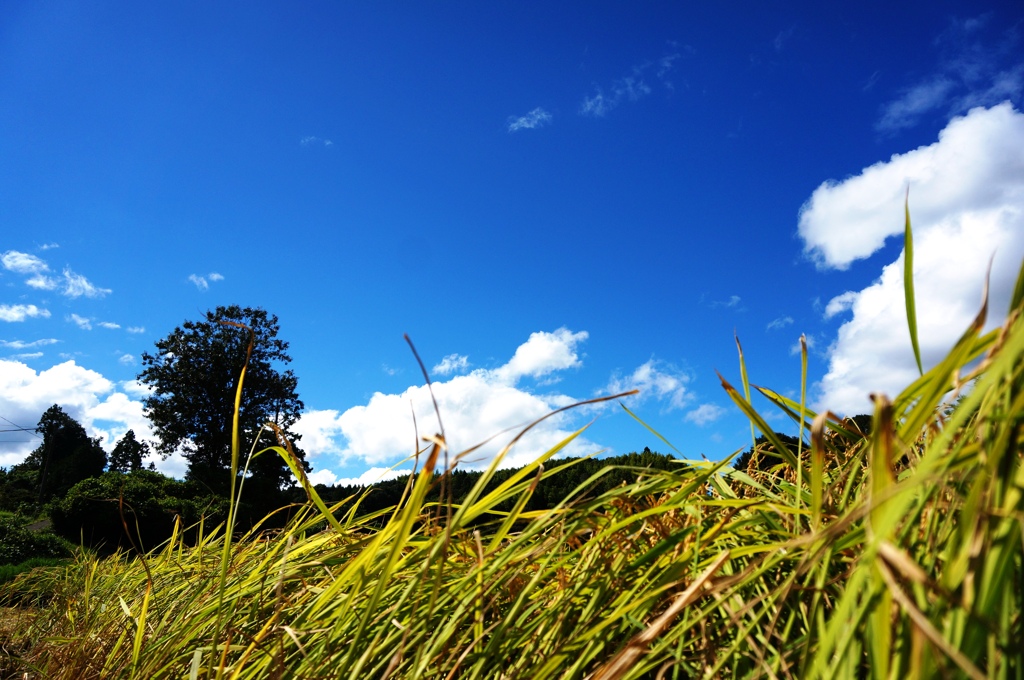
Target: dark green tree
[767,458]
[67,456]
[128,454]
[194,373]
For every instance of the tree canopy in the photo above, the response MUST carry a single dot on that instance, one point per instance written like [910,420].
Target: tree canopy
[128,454]
[194,373]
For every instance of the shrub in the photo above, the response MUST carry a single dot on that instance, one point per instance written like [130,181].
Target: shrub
[95,511]
[18,543]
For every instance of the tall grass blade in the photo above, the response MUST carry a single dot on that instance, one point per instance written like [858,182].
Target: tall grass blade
[908,282]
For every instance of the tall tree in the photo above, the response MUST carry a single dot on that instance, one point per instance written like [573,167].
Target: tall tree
[67,455]
[128,454]
[194,372]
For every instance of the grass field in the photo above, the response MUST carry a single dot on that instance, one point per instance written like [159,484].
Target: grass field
[891,555]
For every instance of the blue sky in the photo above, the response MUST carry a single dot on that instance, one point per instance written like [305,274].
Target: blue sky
[554,202]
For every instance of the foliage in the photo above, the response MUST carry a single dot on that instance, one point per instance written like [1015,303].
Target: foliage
[128,454]
[586,474]
[66,456]
[763,455]
[18,543]
[193,373]
[130,511]
[8,572]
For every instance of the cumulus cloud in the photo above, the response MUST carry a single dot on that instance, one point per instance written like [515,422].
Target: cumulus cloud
[976,165]
[474,408]
[82,322]
[135,329]
[22,263]
[665,384]
[534,119]
[704,414]
[14,313]
[542,354]
[453,363]
[126,360]
[971,72]
[109,325]
[84,394]
[966,203]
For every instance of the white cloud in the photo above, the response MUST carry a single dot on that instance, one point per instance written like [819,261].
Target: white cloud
[779,323]
[312,140]
[974,166]
[49,246]
[453,363]
[668,385]
[109,324]
[41,282]
[966,203]
[136,389]
[80,321]
[322,477]
[704,414]
[20,344]
[840,303]
[14,313]
[126,360]
[371,476]
[76,285]
[542,354]
[135,329]
[22,263]
[203,282]
[28,355]
[534,119]
[474,407]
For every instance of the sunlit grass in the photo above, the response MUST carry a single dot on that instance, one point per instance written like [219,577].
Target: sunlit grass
[893,554]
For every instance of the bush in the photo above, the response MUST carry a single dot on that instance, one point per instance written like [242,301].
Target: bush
[18,543]
[91,512]
[9,571]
